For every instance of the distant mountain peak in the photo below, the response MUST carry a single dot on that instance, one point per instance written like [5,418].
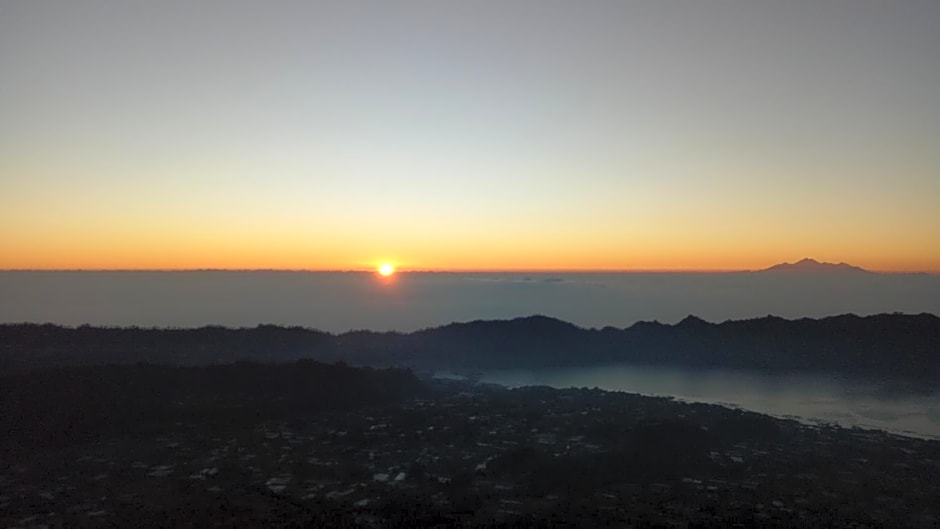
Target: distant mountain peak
[693,321]
[809,265]
[532,323]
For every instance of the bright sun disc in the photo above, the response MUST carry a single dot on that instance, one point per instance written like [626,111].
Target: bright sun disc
[386,269]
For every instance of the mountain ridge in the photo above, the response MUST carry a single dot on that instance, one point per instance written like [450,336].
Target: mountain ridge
[809,265]
[905,345]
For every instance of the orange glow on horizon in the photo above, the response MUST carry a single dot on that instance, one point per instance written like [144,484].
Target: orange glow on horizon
[254,248]
[507,264]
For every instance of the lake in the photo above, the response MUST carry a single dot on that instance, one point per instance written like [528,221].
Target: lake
[845,401]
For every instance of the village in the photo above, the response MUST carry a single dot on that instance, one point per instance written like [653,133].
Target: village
[473,455]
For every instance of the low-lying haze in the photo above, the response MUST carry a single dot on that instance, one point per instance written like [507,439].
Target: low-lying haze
[340,301]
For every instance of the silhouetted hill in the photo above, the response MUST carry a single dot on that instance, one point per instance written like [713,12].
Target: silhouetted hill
[47,345]
[813,266]
[884,345]
[65,405]
[521,341]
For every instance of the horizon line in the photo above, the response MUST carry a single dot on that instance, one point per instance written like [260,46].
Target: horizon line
[673,323]
[454,270]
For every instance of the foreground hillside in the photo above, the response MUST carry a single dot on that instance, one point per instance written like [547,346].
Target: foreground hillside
[897,345]
[318,445]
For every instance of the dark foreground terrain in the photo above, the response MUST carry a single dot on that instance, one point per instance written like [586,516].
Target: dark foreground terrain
[312,445]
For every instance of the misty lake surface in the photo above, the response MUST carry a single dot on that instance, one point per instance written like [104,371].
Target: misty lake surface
[341,301]
[814,398]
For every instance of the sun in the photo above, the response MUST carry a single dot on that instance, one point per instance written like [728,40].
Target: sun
[386,269]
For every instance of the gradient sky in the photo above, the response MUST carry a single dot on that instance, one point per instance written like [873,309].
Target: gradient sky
[469,135]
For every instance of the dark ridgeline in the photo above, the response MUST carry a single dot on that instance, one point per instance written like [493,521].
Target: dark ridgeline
[897,345]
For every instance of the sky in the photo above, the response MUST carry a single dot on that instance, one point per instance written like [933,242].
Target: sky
[444,135]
